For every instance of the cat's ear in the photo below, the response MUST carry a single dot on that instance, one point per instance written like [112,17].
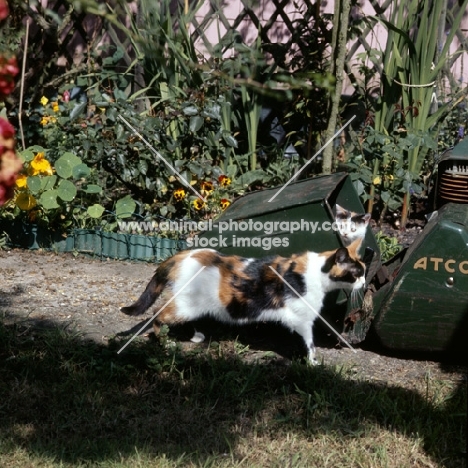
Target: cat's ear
[366,218]
[341,255]
[340,209]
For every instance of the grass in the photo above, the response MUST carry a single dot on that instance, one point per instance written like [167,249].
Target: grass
[66,403]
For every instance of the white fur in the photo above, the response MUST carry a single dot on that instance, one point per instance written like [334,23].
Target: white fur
[349,231]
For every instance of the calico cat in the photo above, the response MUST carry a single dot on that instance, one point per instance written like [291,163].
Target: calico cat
[351,226]
[242,290]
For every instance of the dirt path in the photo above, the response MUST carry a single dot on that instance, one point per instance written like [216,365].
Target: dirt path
[85,294]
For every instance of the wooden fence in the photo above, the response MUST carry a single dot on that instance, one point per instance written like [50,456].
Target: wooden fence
[65,50]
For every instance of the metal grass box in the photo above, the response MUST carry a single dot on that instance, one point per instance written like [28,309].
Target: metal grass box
[299,218]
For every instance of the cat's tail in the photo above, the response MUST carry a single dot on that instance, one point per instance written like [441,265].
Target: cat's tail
[149,296]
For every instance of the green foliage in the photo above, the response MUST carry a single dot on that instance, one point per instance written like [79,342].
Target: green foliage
[56,193]
[394,178]
[404,119]
[195,139]
[388,246]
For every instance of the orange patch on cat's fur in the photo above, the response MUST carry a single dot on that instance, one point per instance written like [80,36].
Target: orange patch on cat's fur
[231,268]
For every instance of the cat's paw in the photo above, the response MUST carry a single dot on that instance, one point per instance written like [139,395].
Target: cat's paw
[197,337]
[311,358]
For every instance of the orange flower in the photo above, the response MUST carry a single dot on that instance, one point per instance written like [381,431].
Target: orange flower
[224,181]
[25,201]
[48,119]
[179,194]
[224,203]
[206,188]
[22,181]
[40,165]
[198,204]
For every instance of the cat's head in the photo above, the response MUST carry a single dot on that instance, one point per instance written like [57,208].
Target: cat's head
[344,268]
[351,226]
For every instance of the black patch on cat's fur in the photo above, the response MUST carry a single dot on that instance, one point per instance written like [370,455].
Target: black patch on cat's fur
[329,262]
[262,289]
[157,283]
[354,269]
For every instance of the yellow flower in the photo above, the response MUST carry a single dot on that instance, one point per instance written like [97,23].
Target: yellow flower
[391,177]
[179,194]
[377,180]
[224,203]
[198,204]
[55,106]
[44,101]
[25,201]
[47,119]
[22,181]
[206,188]
[40,165]
[224,181]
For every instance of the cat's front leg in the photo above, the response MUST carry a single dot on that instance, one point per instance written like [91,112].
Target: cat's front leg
[305,330]
[311,355]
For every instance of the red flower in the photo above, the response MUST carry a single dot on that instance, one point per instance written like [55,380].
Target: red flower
[8,70]
[4,11]
[224,181]
[10,165]
[7,136]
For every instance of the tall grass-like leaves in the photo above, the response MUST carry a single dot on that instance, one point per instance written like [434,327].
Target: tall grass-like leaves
[412,62]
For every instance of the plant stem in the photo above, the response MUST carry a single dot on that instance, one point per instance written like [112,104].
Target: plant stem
[340,20]
[23,72]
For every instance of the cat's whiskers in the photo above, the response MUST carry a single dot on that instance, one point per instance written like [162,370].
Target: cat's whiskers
[356,298]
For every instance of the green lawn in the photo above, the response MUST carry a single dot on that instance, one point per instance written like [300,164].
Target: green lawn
[67,403]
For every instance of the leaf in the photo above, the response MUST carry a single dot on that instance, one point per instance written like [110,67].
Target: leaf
[63,168]
[48,182]
[195,168]
[125,207]
[190,110]
[251,177]
[66,190]
[95,211]
[385,196]
[65,164]
[230,141]
[77,110]
[142,166]
[48,200]
[359,186]
[213,112]
[119,95]
[92,188]
[81,171]
[196,122]
[26,155]
[34,183]
[231,170]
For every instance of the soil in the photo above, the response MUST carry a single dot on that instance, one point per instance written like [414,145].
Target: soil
[83,295]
